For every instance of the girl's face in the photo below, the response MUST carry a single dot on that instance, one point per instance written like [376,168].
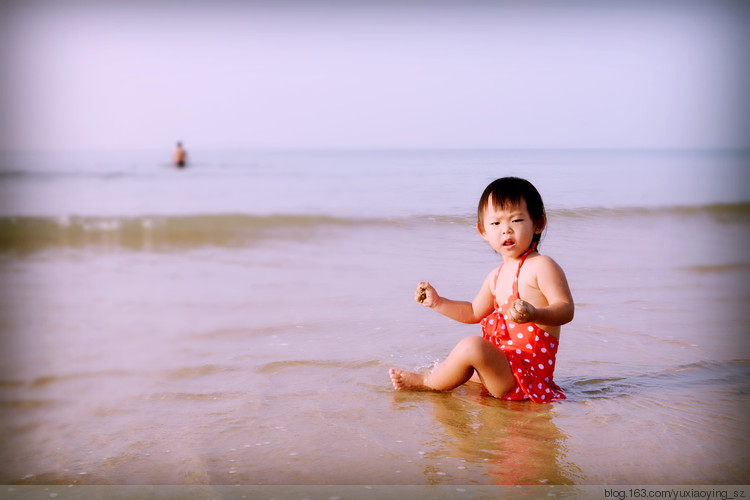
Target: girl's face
[509,230]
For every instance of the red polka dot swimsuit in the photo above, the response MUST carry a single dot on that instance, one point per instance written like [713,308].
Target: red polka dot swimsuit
[530,350]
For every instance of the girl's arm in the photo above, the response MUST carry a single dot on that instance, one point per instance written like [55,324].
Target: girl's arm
[554,286]
[463,311]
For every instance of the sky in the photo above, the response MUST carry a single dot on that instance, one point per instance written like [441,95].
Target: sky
[374,74]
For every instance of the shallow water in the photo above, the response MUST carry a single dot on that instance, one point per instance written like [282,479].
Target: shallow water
[253,349]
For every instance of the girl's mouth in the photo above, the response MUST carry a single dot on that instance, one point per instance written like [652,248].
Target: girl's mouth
[508,243]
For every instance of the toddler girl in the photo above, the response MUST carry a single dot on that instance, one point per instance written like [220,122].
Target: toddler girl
[515,356]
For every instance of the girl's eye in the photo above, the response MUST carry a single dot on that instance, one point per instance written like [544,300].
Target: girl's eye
[517,220]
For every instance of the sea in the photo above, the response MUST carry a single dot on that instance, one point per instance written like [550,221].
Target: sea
[233,322]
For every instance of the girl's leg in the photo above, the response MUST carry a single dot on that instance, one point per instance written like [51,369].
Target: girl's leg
[470,355]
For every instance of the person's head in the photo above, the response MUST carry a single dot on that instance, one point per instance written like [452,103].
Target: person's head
[509,193]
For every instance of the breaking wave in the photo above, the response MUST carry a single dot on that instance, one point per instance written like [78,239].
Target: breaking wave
[164,232]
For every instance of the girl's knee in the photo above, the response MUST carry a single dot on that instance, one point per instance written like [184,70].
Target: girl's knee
[479,352]
[472,346]
[489,362]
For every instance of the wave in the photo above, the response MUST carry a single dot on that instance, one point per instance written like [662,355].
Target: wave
[734,374]
[718,268]
[739,210]
[53,175]
[164,232]
[275,367]
[28,234]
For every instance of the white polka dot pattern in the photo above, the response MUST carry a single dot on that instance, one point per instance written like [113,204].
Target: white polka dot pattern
[533,380]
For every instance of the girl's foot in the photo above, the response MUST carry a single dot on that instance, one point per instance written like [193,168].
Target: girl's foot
[407,381]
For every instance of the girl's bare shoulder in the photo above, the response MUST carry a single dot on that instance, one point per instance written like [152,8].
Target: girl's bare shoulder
[538,259]
[539,264]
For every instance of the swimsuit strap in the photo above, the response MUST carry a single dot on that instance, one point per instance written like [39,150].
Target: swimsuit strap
[518,271]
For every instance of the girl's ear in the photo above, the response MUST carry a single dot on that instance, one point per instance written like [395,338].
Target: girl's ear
[541,225]
[480,228]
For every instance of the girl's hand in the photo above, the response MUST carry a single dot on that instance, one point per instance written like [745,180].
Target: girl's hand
[521,311]
[426,295]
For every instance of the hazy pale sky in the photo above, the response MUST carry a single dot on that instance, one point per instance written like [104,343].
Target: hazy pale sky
[411,74]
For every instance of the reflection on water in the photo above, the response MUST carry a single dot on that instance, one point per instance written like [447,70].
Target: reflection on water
[512,442]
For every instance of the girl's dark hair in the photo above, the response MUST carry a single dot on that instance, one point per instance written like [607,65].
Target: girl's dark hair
[508,192]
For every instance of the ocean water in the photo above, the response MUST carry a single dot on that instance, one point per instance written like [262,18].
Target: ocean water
[234,322]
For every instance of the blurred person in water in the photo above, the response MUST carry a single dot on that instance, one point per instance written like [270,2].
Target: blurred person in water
[179,157]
